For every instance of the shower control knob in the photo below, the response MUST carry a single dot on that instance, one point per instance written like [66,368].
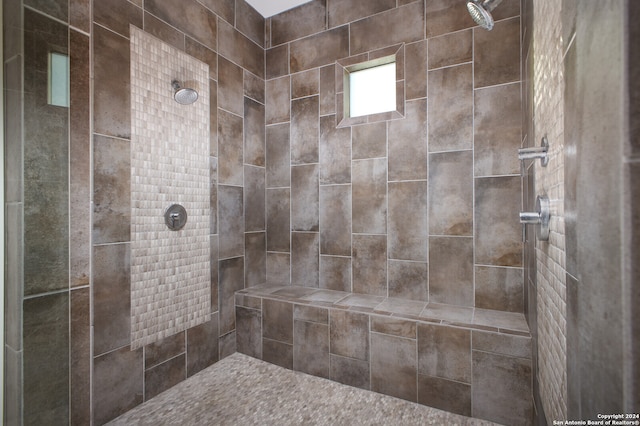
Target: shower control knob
[175,217]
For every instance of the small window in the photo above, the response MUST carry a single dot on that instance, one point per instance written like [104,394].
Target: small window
[372,90]
[58,79]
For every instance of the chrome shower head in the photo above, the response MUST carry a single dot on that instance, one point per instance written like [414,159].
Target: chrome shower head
[183,95]
[480,11]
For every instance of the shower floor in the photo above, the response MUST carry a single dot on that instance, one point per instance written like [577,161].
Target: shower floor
[240,390]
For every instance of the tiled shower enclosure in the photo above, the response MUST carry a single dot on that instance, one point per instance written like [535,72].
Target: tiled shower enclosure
[422,207]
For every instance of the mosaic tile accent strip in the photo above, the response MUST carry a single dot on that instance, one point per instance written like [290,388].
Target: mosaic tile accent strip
[170,271]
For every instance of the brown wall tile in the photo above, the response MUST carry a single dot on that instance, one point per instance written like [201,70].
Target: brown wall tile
[163,31]
[214,272]
[500,343]
[230,160]
[444,352]
[278,156]
[335,273]
[250,22]
[370,196]
[496,379]
[311,348]
[451,193]
[80,356]
[111,87]
[416,70]
[117,15]
[305,130]
[305,198]
[393,372]
[306,83]
[445,16]
[335,152]
[444,394]
[349,333]
[497,130]
[343,12]
[230,87]
[202,345]
[213,195]
[451,270]
[249,331]
[320,49]
[164,376]
[277,353]
[189,17]
[451,49]
[254,133]
[79,159]
[240,49]
[349,371]
[394,327]
[305,259]
[408,143]
[254,200]
[407,230]
[111,297]
[497,54]
[278,268]
[231,280]
[79,14]
[402,24]
[163,350]
[111,192]
[278,219]
[498,232]
[369,140]
[223,8]
[327,90]
[335,220]
[230,205]
[277,61]
[409,280]
[370,264]
[311,314]
[278,100]
[56,8]
[499,288]
[277,320]
[46,358]
[254,87]
[298,22]
[451,108]
[118,379]
[255,251]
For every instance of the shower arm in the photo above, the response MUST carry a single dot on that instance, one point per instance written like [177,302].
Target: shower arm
[541,152]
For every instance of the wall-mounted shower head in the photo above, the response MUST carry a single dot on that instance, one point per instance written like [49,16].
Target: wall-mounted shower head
[183,95]
[480,11]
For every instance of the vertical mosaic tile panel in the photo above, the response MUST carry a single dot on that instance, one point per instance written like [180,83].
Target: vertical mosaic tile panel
[170,272]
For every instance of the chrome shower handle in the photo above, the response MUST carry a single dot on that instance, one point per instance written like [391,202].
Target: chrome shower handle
[541,217]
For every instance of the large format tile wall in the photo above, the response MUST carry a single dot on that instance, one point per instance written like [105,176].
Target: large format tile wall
[78,365]
[422,208]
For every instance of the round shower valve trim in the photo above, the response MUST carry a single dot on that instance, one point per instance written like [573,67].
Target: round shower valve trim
[175,217]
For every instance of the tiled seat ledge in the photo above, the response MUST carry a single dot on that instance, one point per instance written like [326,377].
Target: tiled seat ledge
[470,361]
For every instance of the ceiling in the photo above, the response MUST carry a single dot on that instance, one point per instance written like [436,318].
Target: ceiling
[269,8]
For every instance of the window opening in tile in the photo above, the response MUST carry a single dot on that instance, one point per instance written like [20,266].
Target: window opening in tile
[58,93]
[372,90]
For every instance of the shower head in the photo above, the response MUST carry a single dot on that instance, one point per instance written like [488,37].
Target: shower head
[183,95]
[480,11]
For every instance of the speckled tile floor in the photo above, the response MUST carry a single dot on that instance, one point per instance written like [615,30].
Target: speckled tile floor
[240,390]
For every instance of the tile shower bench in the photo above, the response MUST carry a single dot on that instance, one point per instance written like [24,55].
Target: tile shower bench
[470,361]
